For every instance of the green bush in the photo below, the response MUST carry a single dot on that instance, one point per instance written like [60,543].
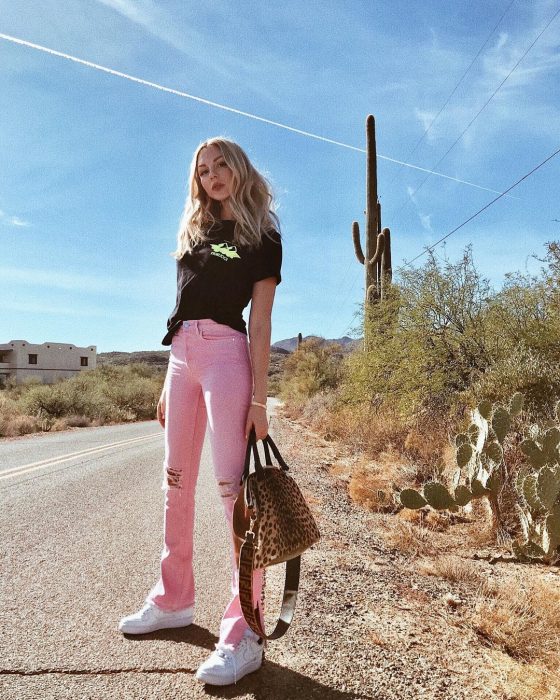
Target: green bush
[428,340]
[441,341]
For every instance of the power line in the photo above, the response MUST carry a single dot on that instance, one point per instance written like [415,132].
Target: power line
[454,90]
[550,157]
[473,216]
[341,304]
[186,95]
[411,195]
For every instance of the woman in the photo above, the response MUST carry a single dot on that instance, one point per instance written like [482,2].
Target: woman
[229,253]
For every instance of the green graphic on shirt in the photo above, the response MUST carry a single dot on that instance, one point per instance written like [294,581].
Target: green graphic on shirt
[224,250]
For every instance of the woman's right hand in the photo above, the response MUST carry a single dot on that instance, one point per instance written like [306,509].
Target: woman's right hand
[161,409]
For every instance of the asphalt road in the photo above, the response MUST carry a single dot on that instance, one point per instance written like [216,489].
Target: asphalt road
[81,532]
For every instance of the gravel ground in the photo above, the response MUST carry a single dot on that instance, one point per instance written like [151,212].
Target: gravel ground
[366,626]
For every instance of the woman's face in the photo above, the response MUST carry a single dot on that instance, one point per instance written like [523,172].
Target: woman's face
[215,176]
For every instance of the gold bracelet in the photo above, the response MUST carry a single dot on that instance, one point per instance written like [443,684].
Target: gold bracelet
[256,403]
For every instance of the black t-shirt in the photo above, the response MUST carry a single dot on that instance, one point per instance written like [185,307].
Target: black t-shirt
[216,280]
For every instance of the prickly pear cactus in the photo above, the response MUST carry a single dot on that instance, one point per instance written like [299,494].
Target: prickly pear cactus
[479,455]
[538,486]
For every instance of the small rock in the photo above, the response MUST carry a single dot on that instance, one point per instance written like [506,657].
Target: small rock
[452,600]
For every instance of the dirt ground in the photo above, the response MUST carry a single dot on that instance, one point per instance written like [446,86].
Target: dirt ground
[375,621]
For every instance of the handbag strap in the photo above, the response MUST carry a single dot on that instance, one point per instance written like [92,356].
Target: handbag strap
[289,597]
[267,440]
[247,553]
[252,445]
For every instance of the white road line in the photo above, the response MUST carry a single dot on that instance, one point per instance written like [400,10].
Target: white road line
[33,466]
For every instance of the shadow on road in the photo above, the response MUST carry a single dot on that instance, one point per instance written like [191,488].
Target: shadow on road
[270,682]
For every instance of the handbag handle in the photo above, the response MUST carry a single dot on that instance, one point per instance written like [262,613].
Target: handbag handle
[252,445]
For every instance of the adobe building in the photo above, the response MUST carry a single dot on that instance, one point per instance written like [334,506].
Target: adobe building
[47,361]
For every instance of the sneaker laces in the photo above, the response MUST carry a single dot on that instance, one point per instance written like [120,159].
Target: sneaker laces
[147,607]
[226,653]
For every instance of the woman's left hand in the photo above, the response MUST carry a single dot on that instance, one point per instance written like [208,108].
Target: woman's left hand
[256,416]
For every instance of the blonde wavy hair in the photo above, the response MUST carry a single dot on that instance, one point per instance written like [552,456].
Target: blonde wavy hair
[251,201]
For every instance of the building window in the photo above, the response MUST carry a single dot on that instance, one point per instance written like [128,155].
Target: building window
[32,359]
[83,361]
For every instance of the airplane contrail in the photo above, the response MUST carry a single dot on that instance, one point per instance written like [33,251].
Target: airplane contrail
[180,93]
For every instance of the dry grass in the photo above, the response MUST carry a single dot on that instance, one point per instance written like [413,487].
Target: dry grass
[317,412]
[342,470]
[522,622]
[431,532]
[532,682]
[408,538]
[360,428]
[12,426]
[432,520]
[72,421]
[451,568]
[428,444]
[371,484]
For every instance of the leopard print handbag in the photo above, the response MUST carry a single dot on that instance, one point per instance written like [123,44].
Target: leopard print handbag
[272,524]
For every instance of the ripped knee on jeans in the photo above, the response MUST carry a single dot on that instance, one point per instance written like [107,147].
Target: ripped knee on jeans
[228,489]
[173,477]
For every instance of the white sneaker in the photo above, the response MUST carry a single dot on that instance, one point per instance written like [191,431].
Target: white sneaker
[228,663]
[150,618]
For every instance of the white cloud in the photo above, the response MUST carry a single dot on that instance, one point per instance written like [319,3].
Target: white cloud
[425,118]
[410,190]
[503,37]
[425,220]
[16,221]
[203,48]
[8,220]
[523,103]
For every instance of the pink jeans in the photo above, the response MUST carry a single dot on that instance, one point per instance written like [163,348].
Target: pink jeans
[209,381]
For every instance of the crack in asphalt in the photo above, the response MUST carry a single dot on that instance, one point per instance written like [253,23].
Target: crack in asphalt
[92,672]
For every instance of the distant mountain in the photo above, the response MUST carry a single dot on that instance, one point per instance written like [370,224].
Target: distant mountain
[290,344]
[155,358]
[160,358]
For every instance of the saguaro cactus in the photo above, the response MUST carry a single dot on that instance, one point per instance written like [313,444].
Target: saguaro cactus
[377,258]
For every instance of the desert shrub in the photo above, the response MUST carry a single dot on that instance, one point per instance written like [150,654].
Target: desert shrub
[315,366]
[429,340]
[107,394]
[50,399]
[317,411]
[76,421]
[8,405]
[523,369]
[11,426]
[522,621]
[439,342]
[138,396]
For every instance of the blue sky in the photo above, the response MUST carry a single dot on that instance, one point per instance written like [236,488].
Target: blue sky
[94,167]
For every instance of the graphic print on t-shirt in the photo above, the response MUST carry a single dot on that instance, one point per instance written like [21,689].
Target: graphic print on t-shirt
[224,250]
